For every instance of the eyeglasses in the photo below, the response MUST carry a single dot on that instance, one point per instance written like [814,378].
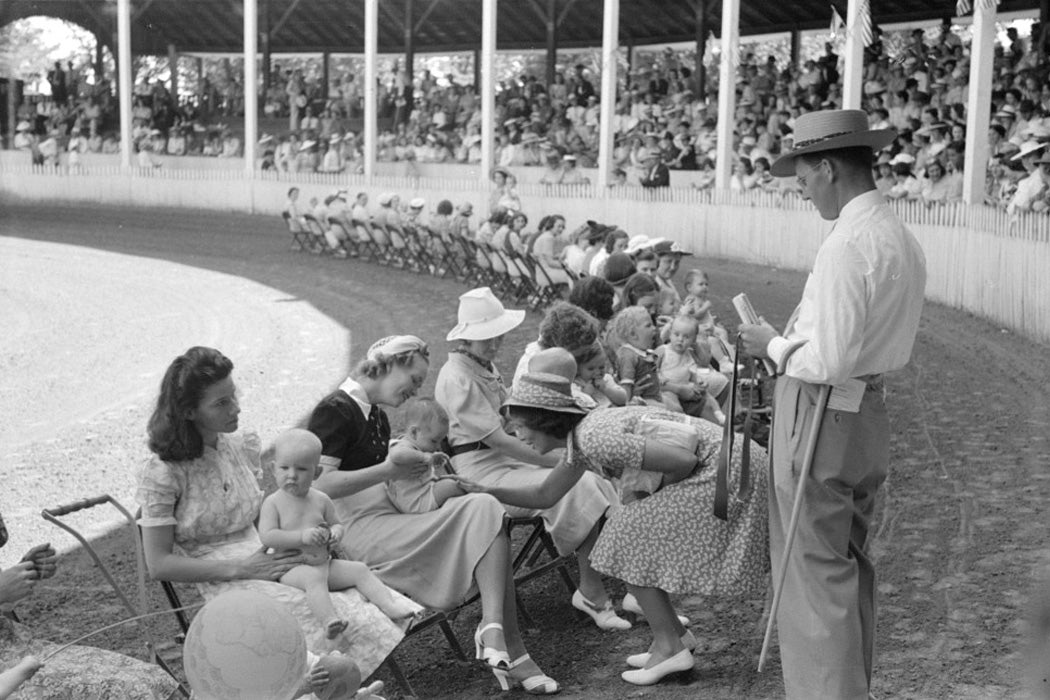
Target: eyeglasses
[802,178]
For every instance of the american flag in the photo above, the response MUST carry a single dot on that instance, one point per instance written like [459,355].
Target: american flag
[963,7]
[867,35]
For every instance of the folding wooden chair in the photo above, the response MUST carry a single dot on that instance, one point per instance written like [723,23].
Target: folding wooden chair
[318,242]
[300,238]
[476,273]
[52,515]
[347,242]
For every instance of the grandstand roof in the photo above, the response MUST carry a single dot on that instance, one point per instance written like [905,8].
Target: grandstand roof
[446,25]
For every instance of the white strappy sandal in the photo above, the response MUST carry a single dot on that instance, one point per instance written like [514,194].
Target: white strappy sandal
[496,658]
[540,684]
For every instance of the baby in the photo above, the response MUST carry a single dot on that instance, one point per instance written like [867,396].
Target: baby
[299,517]
[630,338]
[689,385]
[426,426]
[594,382]
[696,303]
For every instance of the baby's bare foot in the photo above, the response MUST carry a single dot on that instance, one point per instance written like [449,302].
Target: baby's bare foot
[397,609]
[335,627]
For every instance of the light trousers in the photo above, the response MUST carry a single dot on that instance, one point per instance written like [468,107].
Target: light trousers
[826,618]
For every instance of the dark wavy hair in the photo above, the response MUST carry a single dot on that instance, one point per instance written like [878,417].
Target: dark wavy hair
[567,326]
[595,296]
[557,425]
[638,285]
[172,435]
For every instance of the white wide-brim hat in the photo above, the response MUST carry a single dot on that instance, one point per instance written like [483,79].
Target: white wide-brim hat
[481,316]
[829,130]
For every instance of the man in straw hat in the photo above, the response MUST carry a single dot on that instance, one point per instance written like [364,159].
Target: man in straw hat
[857,320]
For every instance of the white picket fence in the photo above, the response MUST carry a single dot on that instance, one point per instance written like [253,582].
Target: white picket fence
[979,259]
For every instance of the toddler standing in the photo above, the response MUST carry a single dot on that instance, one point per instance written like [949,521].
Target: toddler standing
[427,426]
[302,518]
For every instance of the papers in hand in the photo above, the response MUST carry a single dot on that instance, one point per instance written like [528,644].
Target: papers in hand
[747,314]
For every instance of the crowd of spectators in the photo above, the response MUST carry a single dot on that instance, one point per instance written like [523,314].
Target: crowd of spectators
[80,117]
[665,119]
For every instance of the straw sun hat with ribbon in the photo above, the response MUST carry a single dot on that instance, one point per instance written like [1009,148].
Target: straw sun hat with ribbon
[547,384]
[481,316]
[830,130]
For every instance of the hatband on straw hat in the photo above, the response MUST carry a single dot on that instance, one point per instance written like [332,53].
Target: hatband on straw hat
[547,384]
[829,130]
[482,316]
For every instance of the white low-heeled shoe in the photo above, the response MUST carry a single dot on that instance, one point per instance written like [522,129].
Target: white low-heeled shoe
[630,604]
[679,663]
[640,660]
[605,617]
[496,658]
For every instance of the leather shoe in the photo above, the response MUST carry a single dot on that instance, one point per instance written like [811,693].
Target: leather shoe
[640,660]
[680,662]
[605,617]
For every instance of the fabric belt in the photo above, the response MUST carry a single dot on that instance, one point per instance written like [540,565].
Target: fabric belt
[469,447]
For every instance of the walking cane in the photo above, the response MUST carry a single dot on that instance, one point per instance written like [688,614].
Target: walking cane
[796,510]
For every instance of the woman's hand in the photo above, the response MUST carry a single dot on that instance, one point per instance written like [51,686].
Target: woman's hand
[16,582]
[270,567]
[44,559]
[465,484]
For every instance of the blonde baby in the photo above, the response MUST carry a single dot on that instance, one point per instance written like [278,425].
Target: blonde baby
[298,517]
[426,427]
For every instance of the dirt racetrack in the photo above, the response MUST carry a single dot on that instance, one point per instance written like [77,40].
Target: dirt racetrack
[961,533]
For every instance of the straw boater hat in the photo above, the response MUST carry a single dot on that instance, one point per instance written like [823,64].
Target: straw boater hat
[637,244]
[481,316]
[1027,149]
[829,130]
[547,384]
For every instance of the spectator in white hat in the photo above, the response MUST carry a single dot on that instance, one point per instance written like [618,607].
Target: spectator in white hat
[471,390]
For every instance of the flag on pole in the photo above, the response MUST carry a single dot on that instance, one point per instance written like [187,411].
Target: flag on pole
[837,23]
[963,7]
[867,34]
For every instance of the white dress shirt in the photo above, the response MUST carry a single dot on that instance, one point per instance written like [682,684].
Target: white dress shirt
[860,308]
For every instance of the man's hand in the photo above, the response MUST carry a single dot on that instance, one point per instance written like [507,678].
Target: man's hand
[755,338]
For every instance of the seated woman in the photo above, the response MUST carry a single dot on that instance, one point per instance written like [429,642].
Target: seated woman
[77,672]
[471,390]
[200,496]
[547,249]
[666,543]
[437,557]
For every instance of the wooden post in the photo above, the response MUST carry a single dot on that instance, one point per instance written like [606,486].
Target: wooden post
[552,39]
[264,37]
[124,77]
[796,45]
[853,70]
[610,64]
[979,102]
[701,48]
[173,66]
[727,92]
[370,102]
[410,61]
[487,93]
[251,84]
[324,74]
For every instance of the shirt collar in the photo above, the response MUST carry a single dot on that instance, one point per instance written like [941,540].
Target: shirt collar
[352,388]
[871,198]
[647,354]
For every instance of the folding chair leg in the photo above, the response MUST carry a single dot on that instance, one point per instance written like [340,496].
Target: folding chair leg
[398,675]
[450,637]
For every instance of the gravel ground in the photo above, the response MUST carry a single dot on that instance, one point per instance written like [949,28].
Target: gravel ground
[960,535]
[88,335]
